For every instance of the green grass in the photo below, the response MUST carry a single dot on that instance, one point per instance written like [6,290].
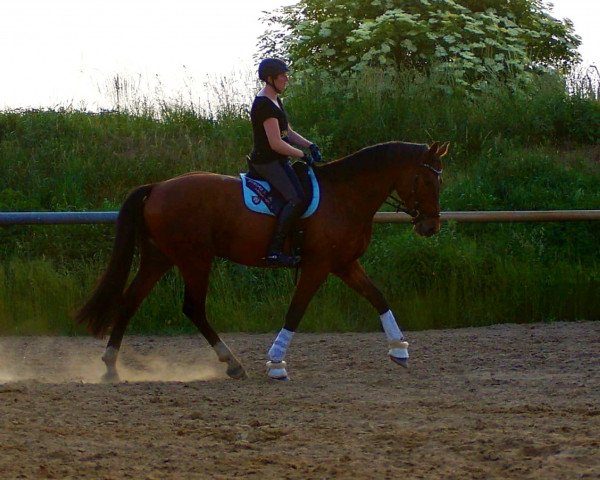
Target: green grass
[36,297]
[451,280]
[515,148]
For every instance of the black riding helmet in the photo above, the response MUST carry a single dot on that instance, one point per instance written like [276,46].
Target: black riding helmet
[271,67]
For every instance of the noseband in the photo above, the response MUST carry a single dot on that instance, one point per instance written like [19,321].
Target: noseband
[414,212]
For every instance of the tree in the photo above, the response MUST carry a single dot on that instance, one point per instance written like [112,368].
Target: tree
[468,38]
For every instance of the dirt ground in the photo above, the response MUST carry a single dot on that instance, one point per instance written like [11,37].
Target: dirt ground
[508,401]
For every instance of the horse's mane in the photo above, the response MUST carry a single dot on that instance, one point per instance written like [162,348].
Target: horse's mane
[366,159]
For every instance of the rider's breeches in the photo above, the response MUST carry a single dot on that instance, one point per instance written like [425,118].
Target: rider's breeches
[282,177]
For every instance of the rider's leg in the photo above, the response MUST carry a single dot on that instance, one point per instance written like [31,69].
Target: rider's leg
[283,178]
[285,221]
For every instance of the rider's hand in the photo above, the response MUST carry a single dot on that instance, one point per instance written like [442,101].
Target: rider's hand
[316,153]
[308,159]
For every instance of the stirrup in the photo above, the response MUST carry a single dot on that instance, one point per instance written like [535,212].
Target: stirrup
[282,260]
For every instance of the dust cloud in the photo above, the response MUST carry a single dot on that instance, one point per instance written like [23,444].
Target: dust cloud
[58,360]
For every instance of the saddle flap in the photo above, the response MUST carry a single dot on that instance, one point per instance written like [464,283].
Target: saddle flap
[261,198]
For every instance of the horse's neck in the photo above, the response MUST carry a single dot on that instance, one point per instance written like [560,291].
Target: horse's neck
[367,189]
[373,190]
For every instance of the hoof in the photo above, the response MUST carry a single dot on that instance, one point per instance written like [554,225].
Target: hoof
[403,362]
[277,371]
[111,377]
[398,352]
[237,373]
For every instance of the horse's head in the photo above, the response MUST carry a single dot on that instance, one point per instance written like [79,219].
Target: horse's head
[420,190]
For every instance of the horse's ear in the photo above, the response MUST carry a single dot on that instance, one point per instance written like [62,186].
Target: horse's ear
[434,148]
[443,150]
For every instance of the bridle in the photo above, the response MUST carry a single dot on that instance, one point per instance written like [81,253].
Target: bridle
[414,212]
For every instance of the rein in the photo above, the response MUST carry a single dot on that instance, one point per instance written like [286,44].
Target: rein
[401,206]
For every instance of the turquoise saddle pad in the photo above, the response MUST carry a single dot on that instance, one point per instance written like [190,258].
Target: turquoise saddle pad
[259,198]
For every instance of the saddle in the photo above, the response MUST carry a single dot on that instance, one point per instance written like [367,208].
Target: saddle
[260,197]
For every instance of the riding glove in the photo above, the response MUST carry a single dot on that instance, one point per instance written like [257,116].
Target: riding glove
[316,153]
[308,159]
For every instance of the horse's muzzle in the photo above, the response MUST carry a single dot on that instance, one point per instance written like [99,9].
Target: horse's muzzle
[427,227]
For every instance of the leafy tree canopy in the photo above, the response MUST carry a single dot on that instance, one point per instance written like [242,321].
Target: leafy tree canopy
[468,38]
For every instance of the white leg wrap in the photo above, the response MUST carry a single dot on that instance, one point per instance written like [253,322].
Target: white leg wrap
[392,331]
[280,345]
[276,365]
[398,347]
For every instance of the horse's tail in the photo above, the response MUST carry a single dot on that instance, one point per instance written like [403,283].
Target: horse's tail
[100,311]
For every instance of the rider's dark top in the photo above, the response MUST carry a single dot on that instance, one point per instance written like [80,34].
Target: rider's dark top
[262,109]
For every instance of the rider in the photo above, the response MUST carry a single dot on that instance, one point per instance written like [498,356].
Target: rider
[270,158]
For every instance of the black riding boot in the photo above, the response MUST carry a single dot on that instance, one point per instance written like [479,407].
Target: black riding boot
[275,256]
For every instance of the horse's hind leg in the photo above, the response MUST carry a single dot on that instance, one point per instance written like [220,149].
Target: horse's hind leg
[356,278]
[194,307]
[153,265]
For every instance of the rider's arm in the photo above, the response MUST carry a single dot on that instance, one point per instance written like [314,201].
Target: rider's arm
[276,143]
[297,139]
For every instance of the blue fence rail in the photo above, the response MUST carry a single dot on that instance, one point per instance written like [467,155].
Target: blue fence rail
[56,218]
[78,218]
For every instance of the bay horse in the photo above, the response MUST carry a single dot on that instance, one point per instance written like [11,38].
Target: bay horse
[188,220]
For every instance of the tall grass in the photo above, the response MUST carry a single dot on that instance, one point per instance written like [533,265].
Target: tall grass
[508,152]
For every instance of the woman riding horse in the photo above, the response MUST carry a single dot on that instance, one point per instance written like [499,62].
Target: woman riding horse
[273,139]
[188,221]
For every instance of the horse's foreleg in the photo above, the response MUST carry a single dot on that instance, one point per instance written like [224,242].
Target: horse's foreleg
[311,278]
[356,278]
[194,307]
[153,266]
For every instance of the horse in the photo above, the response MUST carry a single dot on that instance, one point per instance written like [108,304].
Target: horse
[189,220]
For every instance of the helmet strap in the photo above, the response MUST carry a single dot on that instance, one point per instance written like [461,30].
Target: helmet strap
[272,85]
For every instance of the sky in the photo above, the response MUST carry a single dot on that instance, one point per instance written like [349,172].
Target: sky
[69,52]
